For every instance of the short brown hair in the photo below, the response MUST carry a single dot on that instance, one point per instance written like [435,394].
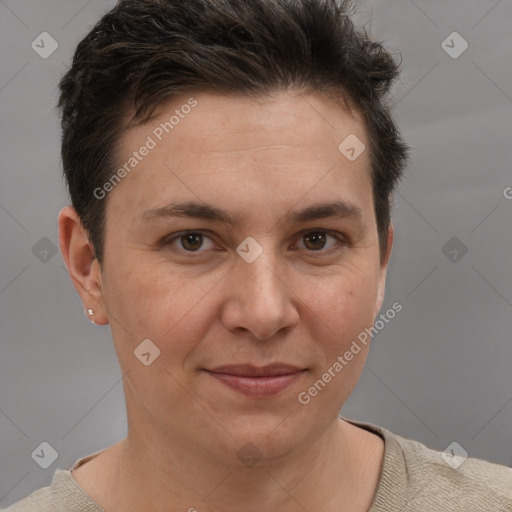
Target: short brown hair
[143,52]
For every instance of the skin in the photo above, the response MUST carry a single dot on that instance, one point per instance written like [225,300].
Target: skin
[300,302]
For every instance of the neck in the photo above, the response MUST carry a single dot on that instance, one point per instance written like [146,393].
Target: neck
[340,468]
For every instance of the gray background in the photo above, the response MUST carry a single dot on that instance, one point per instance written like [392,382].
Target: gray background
[439,372]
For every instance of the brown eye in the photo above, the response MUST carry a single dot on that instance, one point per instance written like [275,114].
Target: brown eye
[189,241]
[315,240]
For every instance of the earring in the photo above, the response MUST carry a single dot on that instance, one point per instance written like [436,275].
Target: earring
[90,314]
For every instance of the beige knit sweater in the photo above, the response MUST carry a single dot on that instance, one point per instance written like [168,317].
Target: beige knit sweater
[414,478]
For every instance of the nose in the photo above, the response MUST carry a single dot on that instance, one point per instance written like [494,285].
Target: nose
[259,298]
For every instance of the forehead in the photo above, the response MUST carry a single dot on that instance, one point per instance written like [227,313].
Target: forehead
[287,145]
[209,115]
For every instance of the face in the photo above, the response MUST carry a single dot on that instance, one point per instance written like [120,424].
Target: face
[277,263]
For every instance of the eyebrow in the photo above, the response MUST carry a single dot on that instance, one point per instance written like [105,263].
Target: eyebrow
[196,210]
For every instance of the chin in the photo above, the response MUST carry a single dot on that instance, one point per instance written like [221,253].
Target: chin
[256,441]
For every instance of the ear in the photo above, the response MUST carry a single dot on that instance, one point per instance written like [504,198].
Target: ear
[82,265]
[383,270]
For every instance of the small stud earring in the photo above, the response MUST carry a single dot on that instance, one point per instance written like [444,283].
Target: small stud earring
[90,314]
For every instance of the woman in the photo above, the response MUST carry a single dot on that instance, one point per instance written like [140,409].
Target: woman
[230,166]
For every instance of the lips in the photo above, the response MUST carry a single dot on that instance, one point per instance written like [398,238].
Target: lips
[257,382]
[247,370]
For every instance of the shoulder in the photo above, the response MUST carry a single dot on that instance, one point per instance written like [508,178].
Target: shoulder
[444,482]
[475,484]
[62,494]
[417,477]
[39,501]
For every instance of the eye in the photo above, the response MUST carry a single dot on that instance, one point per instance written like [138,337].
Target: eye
[194,241]
[316,240]
[189,241]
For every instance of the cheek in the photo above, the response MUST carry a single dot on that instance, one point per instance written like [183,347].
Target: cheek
[344,302]
[159,305]
[341,313]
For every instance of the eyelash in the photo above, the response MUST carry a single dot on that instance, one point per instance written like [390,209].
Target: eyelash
[167,241]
